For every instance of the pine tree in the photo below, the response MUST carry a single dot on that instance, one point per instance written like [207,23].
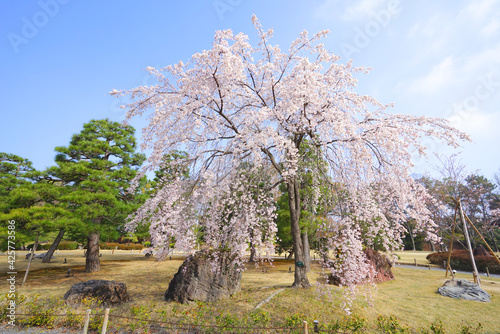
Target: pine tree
[98,165]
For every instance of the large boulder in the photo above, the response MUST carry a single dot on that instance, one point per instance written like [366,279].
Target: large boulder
[205,277]
[463,289]
[109,292]
[381,266]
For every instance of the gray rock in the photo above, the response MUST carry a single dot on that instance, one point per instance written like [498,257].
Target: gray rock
[204,277]
[38,256]
[109,292]
[463,289]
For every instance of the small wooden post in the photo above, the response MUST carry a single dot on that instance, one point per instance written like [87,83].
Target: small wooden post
[414,259]
[306,328]
[86,321]
[105,321]
[487,272]
[429,267]
[29,262]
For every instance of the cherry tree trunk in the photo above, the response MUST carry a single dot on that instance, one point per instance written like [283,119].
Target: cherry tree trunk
[411,237]
[494,240]
[307,249]
[53,247]
[252,253]
[298,249]
[92,262]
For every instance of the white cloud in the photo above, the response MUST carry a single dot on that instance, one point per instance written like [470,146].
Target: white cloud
[478,124]
[485,61]
[329,9]
[362,10]
[491,28]
[479,9]
[439,77]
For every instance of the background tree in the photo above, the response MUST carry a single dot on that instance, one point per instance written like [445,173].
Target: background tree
[30,201]
[97,167]
[14,172]
[236,103]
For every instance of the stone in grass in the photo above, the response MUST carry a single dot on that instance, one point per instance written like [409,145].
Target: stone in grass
[463,289]
[204,277]
[38,256]
[108,292]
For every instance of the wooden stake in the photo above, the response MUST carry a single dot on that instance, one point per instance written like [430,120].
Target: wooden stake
[86,321]
[488,246]
[477,280]
[487,272]
[31,258]
[306,328]
[105,321]
[451,241]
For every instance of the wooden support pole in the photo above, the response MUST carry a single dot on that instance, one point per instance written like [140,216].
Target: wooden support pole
[488,246]
[475,273]
[105,321]
[306,328]
[33,250]
[451,240]
[86,321]
[487,272]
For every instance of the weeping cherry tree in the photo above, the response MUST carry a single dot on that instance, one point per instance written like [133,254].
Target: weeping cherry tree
[240,104]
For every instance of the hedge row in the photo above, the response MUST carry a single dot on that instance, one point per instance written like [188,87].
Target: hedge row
[115,245]
[460,260]
[63,245]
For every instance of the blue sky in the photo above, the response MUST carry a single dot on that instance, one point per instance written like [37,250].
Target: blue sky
[60,58]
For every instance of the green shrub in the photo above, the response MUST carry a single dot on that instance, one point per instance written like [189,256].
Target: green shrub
[226,321]
[67,245]
[108,245]
[260,318]
[73,319]
[39,246]
[468,329]
[41,312]
[391,325]
[130,247]
[63,245]
[129,238]
[147,244]
[460,260]
[295,320]
[351,324]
